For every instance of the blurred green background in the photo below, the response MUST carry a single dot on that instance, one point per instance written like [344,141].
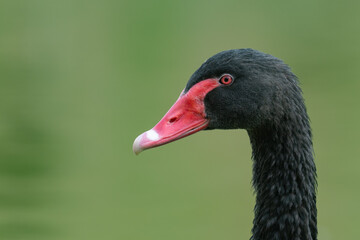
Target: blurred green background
[79,80]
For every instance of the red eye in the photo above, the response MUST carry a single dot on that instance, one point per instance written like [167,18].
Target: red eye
[226,79]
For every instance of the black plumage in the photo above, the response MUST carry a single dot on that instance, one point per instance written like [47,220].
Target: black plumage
[265,99]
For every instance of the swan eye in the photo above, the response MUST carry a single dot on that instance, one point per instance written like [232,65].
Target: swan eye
[226,79]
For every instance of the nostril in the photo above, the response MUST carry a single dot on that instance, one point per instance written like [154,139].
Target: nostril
[173,119]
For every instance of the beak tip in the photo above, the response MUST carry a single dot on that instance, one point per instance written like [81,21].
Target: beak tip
[137,148]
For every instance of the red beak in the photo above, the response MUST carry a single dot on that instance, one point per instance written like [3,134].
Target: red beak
[185,117]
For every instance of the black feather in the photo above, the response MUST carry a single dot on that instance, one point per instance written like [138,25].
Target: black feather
[265,99]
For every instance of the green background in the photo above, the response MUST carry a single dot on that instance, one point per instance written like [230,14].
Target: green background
[79,80]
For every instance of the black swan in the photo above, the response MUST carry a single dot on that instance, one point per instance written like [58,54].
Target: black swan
[248,89]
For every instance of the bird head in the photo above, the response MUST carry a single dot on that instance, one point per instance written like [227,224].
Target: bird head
[240,88]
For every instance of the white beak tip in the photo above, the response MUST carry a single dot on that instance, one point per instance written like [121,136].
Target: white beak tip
[137,148]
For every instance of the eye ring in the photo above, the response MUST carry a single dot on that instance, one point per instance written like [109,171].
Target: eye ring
[226,79]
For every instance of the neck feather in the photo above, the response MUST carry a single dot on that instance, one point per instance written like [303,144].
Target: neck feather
[284,178]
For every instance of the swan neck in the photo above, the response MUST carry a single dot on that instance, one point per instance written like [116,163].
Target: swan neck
[284,178]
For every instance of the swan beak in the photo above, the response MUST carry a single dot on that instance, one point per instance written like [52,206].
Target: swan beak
[187,116]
